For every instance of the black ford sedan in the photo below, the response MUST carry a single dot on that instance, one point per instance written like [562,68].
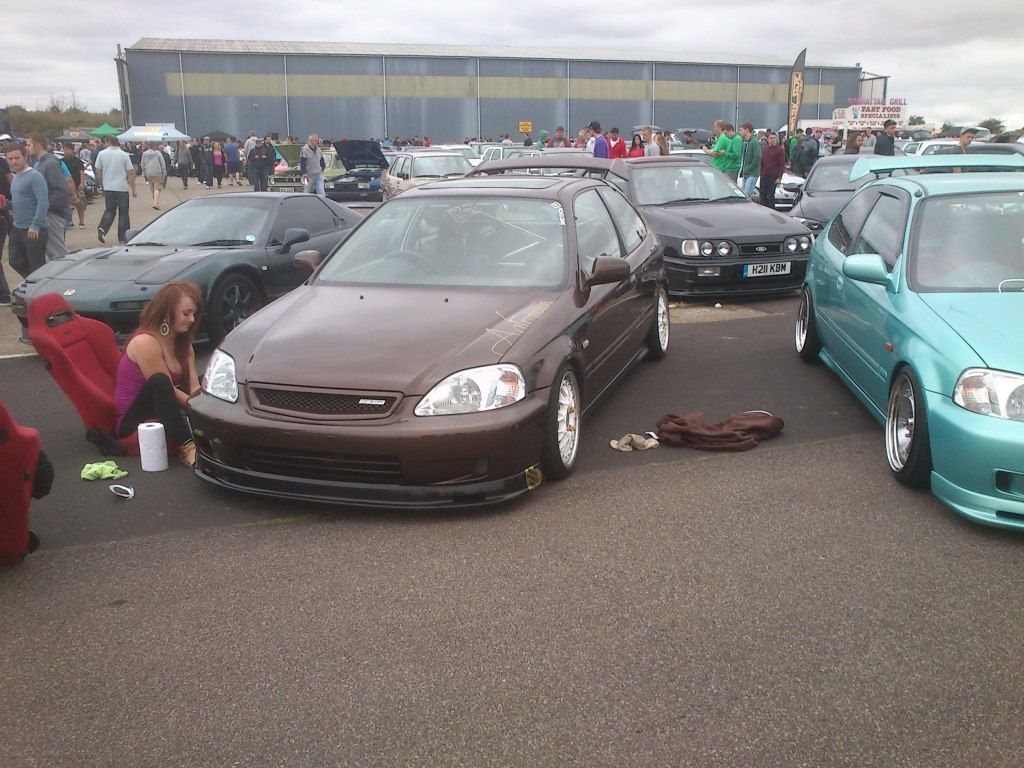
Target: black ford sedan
[237,248]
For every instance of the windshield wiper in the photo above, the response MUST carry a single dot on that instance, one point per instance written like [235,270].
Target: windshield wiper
[222,241]
[164,244]
[729,199]
[683,200]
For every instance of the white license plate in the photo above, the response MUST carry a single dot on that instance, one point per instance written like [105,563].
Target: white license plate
[765,270]
[363,185]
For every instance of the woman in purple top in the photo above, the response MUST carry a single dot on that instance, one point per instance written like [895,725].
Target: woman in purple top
[157,372]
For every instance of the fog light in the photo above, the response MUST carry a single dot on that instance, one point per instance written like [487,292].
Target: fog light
[709,272]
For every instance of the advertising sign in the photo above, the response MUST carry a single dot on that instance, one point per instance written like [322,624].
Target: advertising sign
[871,116]
[796,91]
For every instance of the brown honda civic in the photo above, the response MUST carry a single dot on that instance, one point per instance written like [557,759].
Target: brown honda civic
[445,354]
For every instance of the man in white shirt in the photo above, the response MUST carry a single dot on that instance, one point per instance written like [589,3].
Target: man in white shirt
[115,175]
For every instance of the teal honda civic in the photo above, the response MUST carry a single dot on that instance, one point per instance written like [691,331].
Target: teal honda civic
[914,297]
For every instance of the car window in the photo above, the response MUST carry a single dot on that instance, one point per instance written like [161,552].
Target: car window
[848,223]
[627,220]
[439,166]
[309,213]
[619,183]
[595,235]
[911,148]
[883,229]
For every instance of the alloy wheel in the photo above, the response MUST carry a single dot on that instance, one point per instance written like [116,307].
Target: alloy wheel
[899,423]
[237,303]
[802,316]
[663,321]
[568,432]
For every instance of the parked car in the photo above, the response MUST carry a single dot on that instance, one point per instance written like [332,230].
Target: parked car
[914,297]
[499,152]
[237,247]
[928,147]
[448,353]
[410,169]
[465,150]
[290,178]
[355,172]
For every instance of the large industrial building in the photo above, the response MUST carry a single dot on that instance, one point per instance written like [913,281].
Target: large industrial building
[453,92]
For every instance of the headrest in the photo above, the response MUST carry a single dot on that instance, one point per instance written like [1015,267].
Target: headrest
[52,311]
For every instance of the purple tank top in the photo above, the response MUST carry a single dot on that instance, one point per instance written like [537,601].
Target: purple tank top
[129,382]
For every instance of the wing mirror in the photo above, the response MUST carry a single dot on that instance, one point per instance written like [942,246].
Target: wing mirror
[608,269]
[293,235]
[867,268]
[306,262]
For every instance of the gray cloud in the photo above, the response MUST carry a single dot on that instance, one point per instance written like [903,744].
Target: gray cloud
[964,65]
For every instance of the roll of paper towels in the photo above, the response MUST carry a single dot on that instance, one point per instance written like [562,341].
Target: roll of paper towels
[153,446]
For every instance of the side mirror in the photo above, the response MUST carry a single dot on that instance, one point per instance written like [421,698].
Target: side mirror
[608,269]
[306,262]
[867,268]
[293,235]
[129,234]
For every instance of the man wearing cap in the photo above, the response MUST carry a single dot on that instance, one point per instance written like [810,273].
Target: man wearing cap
[962,143]
[886,144]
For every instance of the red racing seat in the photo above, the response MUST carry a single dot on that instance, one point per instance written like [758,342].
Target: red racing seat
[19,456]
[82,356]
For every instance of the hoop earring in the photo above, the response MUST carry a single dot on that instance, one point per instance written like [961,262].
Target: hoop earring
[164,329]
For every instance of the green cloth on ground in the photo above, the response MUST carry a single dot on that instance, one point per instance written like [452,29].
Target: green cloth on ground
[103,470]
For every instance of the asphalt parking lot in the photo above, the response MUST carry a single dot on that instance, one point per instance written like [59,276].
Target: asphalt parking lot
[790,606]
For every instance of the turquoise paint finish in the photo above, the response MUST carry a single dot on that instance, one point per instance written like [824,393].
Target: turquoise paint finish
[978,460]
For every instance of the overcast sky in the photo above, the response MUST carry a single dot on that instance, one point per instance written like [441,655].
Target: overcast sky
[951,60]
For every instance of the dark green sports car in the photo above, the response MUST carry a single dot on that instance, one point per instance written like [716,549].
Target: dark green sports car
[237,247]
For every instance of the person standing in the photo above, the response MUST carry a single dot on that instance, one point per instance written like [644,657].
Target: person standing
[5,226]
[559,139]
[773,163]
[869,140]
[636,149]
[30,202]
[718,152]
[154,169]
[962,143]
[886,143]
[115,173]
[750,159]
[616,144]
[231,152]
[854,140]
[651,148]
[311,166]
[261,162]
[77,169]
[219,163]
[247,147]
[809,156]
[60,186]
[183,163]
[206,162]
[662,141]
[600,148]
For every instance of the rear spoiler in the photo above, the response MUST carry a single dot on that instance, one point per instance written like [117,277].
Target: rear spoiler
[567,161]
[867,166]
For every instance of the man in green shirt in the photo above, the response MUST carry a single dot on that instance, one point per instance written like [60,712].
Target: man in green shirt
[719,150]
[733,153]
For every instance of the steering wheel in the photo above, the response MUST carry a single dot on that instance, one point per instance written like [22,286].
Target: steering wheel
[414,258]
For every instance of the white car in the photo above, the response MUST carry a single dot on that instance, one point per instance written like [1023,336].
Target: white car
[465,150]
[929,147]
[786,190]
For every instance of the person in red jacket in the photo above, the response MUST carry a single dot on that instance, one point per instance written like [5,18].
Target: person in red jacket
[636,149]
[773,162]
[616,145]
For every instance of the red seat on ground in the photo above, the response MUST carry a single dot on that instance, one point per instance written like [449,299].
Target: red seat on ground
[82,356]
[19,455]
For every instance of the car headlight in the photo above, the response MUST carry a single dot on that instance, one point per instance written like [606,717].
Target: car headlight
[993,393]
[811,224]
[707,249]
[689,248]
[805,242]
[219,379]
[723,248]
[474,390]
[791,244]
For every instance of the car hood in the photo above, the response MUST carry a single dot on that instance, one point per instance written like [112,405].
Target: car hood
[739,220]
[290,152]
[124,263]
[389,339]
[992,323]
[820,207]
[355,154]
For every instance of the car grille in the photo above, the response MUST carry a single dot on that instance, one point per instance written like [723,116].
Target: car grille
[313,465]
[323,403]
[752,249]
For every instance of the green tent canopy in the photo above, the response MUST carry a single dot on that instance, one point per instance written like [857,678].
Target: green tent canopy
[105,130]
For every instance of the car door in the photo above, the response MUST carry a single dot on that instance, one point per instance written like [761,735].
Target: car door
[643,254]
[312,214]
[392,177]
[866,317]
[607,324]
[828,280]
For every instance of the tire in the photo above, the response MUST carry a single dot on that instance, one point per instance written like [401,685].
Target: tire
[658,336]
[908,448]
[234,298]
[808,345]
[563,423]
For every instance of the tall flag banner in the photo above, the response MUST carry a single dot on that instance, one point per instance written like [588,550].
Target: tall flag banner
[796,91]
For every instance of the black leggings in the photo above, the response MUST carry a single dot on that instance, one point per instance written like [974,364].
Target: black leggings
[156,400]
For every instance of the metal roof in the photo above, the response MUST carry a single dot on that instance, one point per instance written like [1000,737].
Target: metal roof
[196,45]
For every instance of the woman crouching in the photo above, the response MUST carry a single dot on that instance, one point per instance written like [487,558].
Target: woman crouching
[157,372]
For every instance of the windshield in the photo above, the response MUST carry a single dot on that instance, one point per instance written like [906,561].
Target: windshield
[969,243]
[835,177]
[440,166]
[466,151]
[209,221]
[659,185]
[455,241]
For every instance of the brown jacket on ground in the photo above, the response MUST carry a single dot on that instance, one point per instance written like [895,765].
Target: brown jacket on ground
[737,433]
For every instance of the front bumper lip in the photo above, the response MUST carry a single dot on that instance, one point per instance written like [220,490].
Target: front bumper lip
[361,494]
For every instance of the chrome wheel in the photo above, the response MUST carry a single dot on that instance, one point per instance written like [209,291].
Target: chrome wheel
[663,321]
[900,419]
[802,315]
[568,421]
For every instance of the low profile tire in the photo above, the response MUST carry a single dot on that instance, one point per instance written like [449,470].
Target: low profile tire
[907,445]
[658,336]
[562,432]
[808,345]
[234,298]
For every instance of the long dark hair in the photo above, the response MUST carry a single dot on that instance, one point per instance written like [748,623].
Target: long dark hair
[637,141]
[161,309]
[851,143]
